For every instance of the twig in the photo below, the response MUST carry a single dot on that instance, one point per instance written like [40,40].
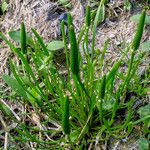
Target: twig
[6,141]
[6,131]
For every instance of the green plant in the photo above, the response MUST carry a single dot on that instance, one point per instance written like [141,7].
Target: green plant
[127,5]
[3,7]
[83,106]
[145,111]
[65,3]
[136,19]
[143,144]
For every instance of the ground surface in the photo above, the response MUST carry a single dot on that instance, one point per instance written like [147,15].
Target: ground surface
[43,15]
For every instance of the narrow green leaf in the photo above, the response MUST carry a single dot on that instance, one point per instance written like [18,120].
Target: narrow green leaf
[69,17]
[139,32]
[103,54]
[65,46]
[15,86]
[29,70]
[40,42]
[3,37]
[23,38]
[88,16]
[102,14]
[74,52]
[98,19]
[65,119]
[34,96]
[113,71]
[5,109]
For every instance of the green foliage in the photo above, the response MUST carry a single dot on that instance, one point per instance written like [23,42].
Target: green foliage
[65,3]
[15,86]
[40,42]
[74,52]
[99,18]
[23,38]
[140,29]
[127,5]
[16,36]
[143,144]
[84,104]
[74,60]
[145,111]
[3,7]
[88,16]
[55,45]
[136,18]
[146,46]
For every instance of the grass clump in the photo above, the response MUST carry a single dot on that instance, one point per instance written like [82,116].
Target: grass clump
[81,109]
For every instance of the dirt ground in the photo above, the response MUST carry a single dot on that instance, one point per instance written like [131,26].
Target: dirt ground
[43,16]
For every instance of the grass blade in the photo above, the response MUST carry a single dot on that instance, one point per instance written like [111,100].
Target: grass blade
[3,37]
[40,42]
[96,21]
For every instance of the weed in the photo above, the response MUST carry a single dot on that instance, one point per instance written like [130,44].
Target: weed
[85,108]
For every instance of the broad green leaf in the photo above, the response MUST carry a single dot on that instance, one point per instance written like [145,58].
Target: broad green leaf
[15,36]
[63,2]
[55,45]
[15,86]
[146,46]
[136,19]
[143,112]
[143,144]
[4,6]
